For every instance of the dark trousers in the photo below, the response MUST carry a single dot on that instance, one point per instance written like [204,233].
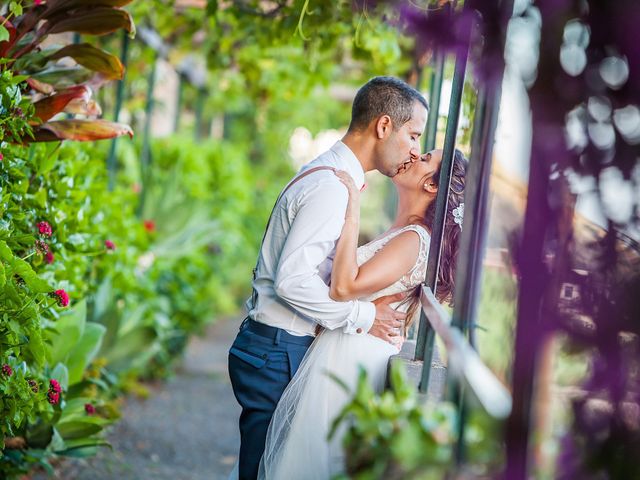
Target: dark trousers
[262,361]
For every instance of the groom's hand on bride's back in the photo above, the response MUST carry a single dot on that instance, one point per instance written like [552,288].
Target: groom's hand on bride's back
[389,323]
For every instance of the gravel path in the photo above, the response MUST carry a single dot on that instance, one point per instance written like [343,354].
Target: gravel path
[186,430]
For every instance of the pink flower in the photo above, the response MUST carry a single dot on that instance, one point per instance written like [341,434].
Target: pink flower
[109,245]
[63,297]
[45,229]
[48,257]
[53,395]
[7,370]
[90,409]
[149,225]
[37,2]
[54,386]
[1,157]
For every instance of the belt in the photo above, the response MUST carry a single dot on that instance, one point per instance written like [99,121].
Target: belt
[275,334]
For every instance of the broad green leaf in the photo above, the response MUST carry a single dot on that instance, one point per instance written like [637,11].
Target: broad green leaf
[61,374]
[77,429]
[39,435]
[70,328]
[85,450]
[132,349]
[93,58]
[111,320]
[85,351]
[74,411]
[4,33]
[102,300]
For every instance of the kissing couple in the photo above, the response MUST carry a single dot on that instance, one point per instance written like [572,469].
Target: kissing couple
[323,306]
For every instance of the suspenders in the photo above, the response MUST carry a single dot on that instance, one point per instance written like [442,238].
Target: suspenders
[254,294]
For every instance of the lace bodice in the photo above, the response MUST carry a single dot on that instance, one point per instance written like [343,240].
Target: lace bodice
[413,277]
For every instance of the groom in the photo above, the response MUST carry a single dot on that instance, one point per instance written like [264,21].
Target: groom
[291,296]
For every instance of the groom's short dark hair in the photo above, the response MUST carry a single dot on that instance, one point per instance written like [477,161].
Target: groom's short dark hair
[384,96]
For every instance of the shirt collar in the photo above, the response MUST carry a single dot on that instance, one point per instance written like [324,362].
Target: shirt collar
[350,162]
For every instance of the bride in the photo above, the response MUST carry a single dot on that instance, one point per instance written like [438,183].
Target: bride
[297,446]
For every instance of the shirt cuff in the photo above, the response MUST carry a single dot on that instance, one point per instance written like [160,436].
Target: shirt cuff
[364,316]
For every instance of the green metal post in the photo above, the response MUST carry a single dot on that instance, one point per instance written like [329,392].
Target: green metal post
[111,159]
[435,89]
[424,345]
[202,94]
[176,118]
[145,156]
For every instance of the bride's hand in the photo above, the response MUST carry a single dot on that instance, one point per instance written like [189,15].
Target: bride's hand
[353,207]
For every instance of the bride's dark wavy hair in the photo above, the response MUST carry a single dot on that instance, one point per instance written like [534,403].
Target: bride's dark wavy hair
[451,237]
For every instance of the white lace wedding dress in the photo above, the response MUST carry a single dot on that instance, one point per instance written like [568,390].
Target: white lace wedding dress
[297,446]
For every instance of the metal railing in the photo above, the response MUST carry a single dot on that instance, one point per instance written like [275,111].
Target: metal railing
[465,373]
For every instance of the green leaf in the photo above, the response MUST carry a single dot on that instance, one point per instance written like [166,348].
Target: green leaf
[77,429]
[61,374]
[22,268]
[69,328]
[132,349]
[39,435]
[4,33]
[15,8]
[93,58]
[85,351]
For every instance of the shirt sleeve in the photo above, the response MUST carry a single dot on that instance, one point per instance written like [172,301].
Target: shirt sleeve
[318,217]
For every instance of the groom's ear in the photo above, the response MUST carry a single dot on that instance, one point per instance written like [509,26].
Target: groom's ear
[383,126]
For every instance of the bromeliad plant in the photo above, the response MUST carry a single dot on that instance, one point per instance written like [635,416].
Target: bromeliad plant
[53,86]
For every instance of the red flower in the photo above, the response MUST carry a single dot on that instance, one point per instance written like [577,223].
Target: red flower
[53,397]
[149,225]
[7,370]
[63,297]
[48,257]
[54,386]
[37,2]
[45,229]
[109,245]
[1,157]
[90,409]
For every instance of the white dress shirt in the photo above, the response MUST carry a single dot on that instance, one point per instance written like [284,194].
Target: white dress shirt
[297,255]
